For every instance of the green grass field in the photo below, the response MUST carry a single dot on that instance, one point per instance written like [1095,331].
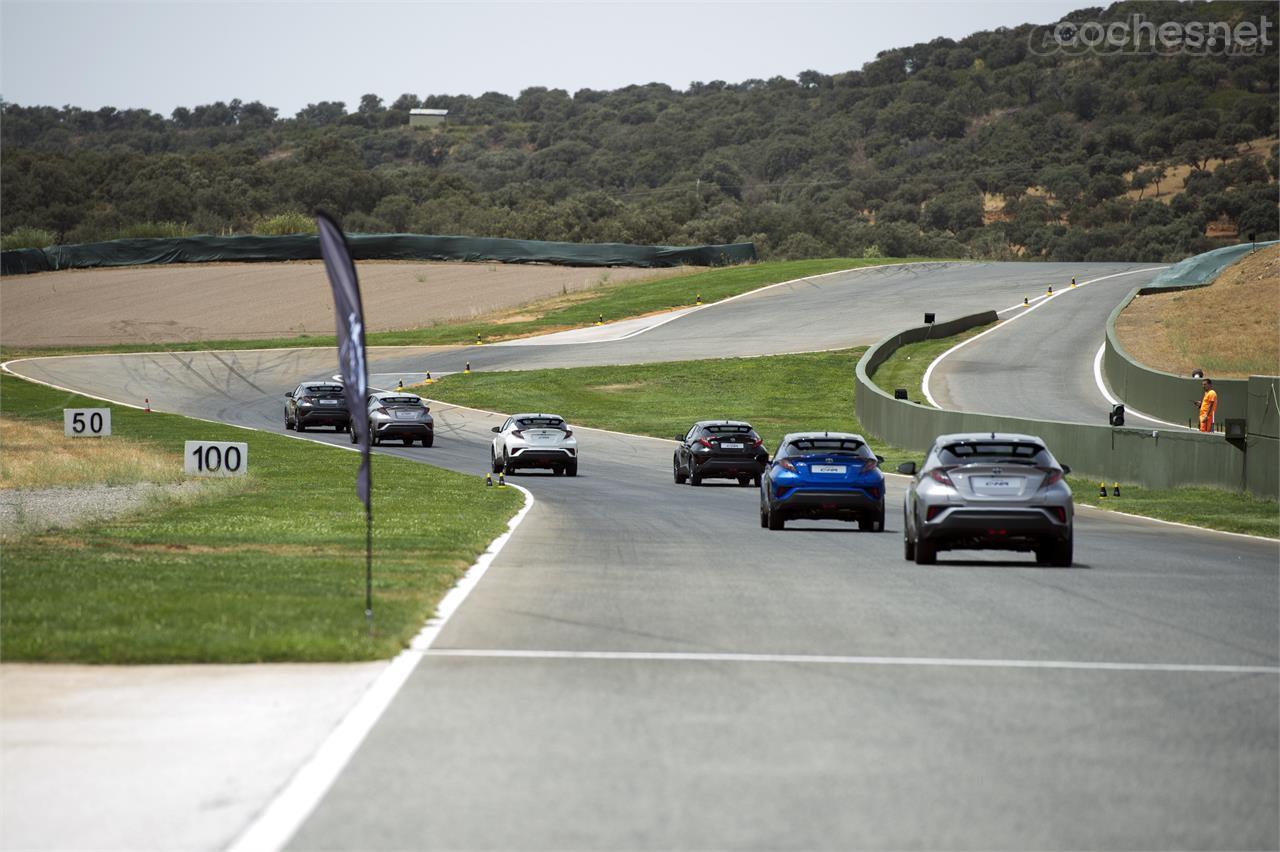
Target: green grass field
[270,571]
[778,394]
[613,302]
[906,367]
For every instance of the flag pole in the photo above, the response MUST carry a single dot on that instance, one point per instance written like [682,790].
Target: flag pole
[368,565]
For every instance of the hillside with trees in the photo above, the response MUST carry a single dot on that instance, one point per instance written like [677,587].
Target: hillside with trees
[972,148]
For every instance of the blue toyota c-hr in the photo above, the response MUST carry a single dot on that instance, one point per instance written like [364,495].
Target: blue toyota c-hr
[828,475]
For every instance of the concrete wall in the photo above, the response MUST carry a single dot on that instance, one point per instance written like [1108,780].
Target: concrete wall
[1164,395]
[1151,458]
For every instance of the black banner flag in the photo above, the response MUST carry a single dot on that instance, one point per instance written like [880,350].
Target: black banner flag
[351,359]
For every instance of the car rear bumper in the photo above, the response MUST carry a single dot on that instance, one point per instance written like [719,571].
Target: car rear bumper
[542,457]
[728,467]
[995,528]
[393,429]
[815,503]
[323,417]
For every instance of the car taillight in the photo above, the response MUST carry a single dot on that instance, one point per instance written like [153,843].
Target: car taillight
[1059,513]
[382,409]
[568,433]
[870,465]
[874,492]
[941,476]
[704,442]
[516,433]
[1051,475]
[758,442]
[305,400]
[783,463]
[933,512]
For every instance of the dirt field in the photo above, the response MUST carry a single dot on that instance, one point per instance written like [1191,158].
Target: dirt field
[180,303]
[1230,329]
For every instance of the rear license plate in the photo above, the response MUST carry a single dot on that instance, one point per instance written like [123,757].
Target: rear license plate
[828,468]
[731,446]
[406,415]
[328,402]
[994,482]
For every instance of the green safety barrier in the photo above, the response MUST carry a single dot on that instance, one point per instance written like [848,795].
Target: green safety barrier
[254,249]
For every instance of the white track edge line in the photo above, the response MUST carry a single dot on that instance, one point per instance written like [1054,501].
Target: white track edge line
[952,662]
[1176,523]
[1046,299]
[285,814]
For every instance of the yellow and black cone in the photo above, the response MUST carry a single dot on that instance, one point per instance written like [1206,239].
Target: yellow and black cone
[399,384]
[467,368]
[698,301]
[429,380]
[1073,282]
[1025,301]
[488,480]
[1050,293]
[502,480]
[1115,489]
[600,320]
[1102,489]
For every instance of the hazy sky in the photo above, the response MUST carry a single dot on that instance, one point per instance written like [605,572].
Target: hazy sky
[288,53]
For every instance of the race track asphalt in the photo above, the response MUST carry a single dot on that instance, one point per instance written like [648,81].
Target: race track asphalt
[644,667]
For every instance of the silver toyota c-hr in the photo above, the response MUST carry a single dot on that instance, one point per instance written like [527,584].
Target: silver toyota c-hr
[988,491]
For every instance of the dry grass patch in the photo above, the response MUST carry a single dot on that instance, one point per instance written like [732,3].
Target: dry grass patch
[1230,329]
[38,455]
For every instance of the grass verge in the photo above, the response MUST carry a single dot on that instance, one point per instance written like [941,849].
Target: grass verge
[273,571]
[906,367]
[780,394]
[613,302]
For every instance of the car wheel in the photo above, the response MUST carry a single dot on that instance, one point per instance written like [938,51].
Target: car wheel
[926,553]
[679,475]
[744,481]
[776,521]
[1055,553]
[764,517]
[507,469]
[908,543]
[571,469]
[297,424]
[288,424]
[695,478]
[872,523]
[494,464]
[429,440]
[355,439]
[755,480]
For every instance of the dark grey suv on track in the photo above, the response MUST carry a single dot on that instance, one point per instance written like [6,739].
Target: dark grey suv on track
[318,403]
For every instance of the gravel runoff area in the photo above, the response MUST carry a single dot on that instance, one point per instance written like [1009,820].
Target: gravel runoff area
[180,303]
[33,510]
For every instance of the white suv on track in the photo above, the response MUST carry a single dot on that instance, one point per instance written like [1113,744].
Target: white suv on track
[534,440]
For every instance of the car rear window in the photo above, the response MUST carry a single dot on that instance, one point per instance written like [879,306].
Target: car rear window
[540,423]
[725,429]
[324,390]
[845,446]
[1006,451]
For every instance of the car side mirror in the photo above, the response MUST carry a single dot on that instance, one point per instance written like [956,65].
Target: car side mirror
[907,468]
[680,438]
[496,429]
[1066,470]
[880,459]
[289,394]
[428,408]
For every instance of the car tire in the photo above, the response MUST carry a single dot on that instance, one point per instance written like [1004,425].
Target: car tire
[908,543]
[571,469]
[695,478]
[494,464]
[1056,553]
[926,553]
[755,480]
[355,439]
[297,425]
[679,475]
[872,523]
[288,424]
[764,518]
[429,441]
[744,481]
[507,469]
[776,521]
